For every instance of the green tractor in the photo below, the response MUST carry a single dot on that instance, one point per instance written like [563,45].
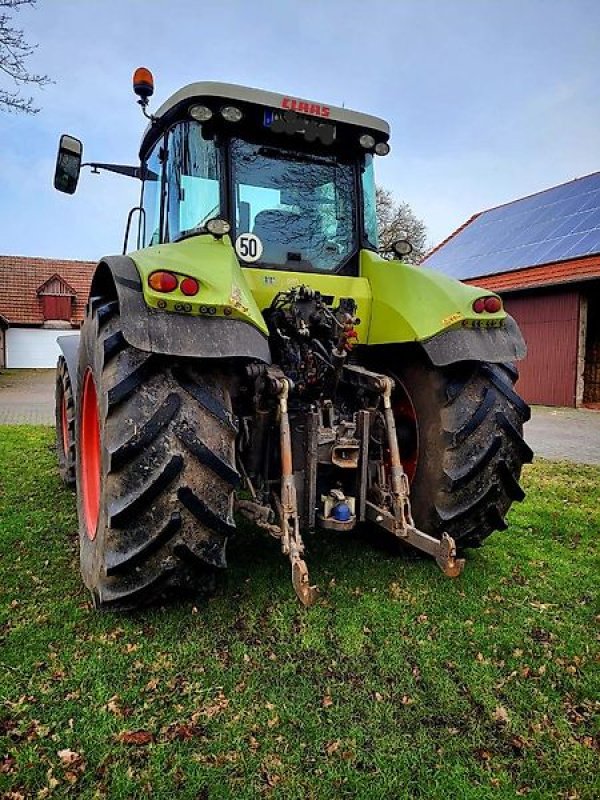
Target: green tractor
[256,355]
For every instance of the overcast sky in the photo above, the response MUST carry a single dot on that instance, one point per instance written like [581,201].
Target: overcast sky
[488,100]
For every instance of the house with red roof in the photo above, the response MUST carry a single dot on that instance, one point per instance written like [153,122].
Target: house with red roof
[541,253]
[40,299]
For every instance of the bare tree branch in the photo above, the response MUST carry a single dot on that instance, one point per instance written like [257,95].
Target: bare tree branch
[14,52]
[395,219]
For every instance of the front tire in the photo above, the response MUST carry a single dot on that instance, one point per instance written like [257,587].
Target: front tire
[155,468]
[469,443]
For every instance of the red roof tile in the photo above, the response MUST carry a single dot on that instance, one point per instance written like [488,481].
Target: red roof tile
[21,277]
[573,271]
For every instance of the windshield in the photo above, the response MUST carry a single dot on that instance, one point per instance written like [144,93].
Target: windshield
[301,207]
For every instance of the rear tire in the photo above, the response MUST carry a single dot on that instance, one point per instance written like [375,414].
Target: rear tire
[166,469]
[469,426]
[65,423]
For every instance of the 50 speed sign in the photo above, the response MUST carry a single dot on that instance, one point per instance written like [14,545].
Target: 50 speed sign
[248,247]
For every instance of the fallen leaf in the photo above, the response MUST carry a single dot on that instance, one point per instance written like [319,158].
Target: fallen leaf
[212,709]
[135,737]
[332,747]
[69,758]
[7,765]
[406,700]
[500,714]
[327,701]
[113,706]
[183,732]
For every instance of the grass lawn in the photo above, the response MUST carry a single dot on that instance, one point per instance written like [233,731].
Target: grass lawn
[399,683]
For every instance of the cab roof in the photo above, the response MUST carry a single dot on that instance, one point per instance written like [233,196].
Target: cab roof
[273,100]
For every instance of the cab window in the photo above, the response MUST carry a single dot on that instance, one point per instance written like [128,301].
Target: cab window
[193,181]
[151,191]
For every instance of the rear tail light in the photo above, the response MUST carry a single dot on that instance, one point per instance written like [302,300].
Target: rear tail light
[491,304]
[162,281]
[189,287]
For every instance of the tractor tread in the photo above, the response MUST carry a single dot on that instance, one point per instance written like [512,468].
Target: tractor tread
[136,596]
[488,400]
[210,554]
[168,480]
[123,509]
[145,435]
[201,511]
[66,458]
[128,385]
[105,311]
[123,562]
[468,471]
[114,344]
[511,369]
[513,434]
[208,457]
[207,400]
[471,422]
[511,484]
[475,504]
[504,386]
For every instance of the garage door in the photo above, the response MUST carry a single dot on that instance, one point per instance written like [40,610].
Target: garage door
[32,348]
[549,322]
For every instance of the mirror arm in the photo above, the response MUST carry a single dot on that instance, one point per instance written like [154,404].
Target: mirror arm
[121,169]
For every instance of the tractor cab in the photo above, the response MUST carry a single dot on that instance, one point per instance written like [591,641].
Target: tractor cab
[292,181]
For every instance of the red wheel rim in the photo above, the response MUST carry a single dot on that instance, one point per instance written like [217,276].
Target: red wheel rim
[407,430]
[89,454]
[64,425]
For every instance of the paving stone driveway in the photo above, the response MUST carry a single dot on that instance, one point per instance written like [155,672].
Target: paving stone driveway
[27,397]
[564,434]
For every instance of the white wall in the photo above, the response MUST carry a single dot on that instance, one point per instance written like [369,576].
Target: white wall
[32,347]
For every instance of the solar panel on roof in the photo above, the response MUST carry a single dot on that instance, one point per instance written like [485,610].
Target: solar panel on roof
[558,224]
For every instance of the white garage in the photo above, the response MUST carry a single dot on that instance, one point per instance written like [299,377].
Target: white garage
[46,301]
[33,348]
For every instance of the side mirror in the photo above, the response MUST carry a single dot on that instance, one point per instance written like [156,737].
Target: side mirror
[68,164]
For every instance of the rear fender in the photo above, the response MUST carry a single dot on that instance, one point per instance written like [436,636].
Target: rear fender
[199,331]
[69,346]
[416,304]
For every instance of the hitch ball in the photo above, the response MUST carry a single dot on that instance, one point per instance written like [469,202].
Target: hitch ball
[341,512]
[338,511]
